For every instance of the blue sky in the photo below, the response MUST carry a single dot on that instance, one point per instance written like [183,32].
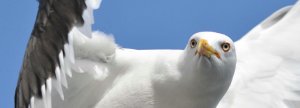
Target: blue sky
[139,24]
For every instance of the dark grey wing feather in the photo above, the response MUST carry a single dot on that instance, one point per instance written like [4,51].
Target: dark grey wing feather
[54,20]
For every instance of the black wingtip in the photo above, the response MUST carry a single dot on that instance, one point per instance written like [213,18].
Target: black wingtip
[53,23]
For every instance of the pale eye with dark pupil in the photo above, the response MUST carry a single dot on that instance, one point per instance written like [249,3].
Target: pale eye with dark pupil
[225,47]
[193,43]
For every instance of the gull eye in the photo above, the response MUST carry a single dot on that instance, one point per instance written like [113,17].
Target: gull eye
[225,46]
[193,43]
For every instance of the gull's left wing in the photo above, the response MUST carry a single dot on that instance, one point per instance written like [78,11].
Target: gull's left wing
[268,64]
[50,56]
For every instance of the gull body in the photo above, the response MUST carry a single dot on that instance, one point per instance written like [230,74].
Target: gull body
[160,78]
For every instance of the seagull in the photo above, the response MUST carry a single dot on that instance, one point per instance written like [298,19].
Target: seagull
[268,64]
[66,65]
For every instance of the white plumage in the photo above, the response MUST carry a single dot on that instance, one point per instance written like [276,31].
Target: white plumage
[268,64]
[106,76]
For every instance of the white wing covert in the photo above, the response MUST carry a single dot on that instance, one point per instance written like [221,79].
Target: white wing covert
[90,70]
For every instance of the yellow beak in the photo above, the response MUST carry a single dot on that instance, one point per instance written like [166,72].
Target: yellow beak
[206,50]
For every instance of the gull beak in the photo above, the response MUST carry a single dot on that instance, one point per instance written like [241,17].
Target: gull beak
[205,49]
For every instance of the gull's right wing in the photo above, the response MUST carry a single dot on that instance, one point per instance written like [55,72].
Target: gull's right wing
[268,64]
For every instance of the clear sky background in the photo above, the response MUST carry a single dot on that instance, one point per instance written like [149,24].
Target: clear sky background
[139,24]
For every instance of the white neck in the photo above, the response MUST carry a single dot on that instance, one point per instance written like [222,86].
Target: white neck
[198,86]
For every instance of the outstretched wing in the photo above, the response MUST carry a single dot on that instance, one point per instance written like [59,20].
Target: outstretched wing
[268,64]
[50,54]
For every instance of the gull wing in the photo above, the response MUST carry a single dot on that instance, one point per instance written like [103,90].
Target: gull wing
[268,64]
[49,58]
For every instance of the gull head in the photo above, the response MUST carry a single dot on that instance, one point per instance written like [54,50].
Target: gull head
[211,50]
